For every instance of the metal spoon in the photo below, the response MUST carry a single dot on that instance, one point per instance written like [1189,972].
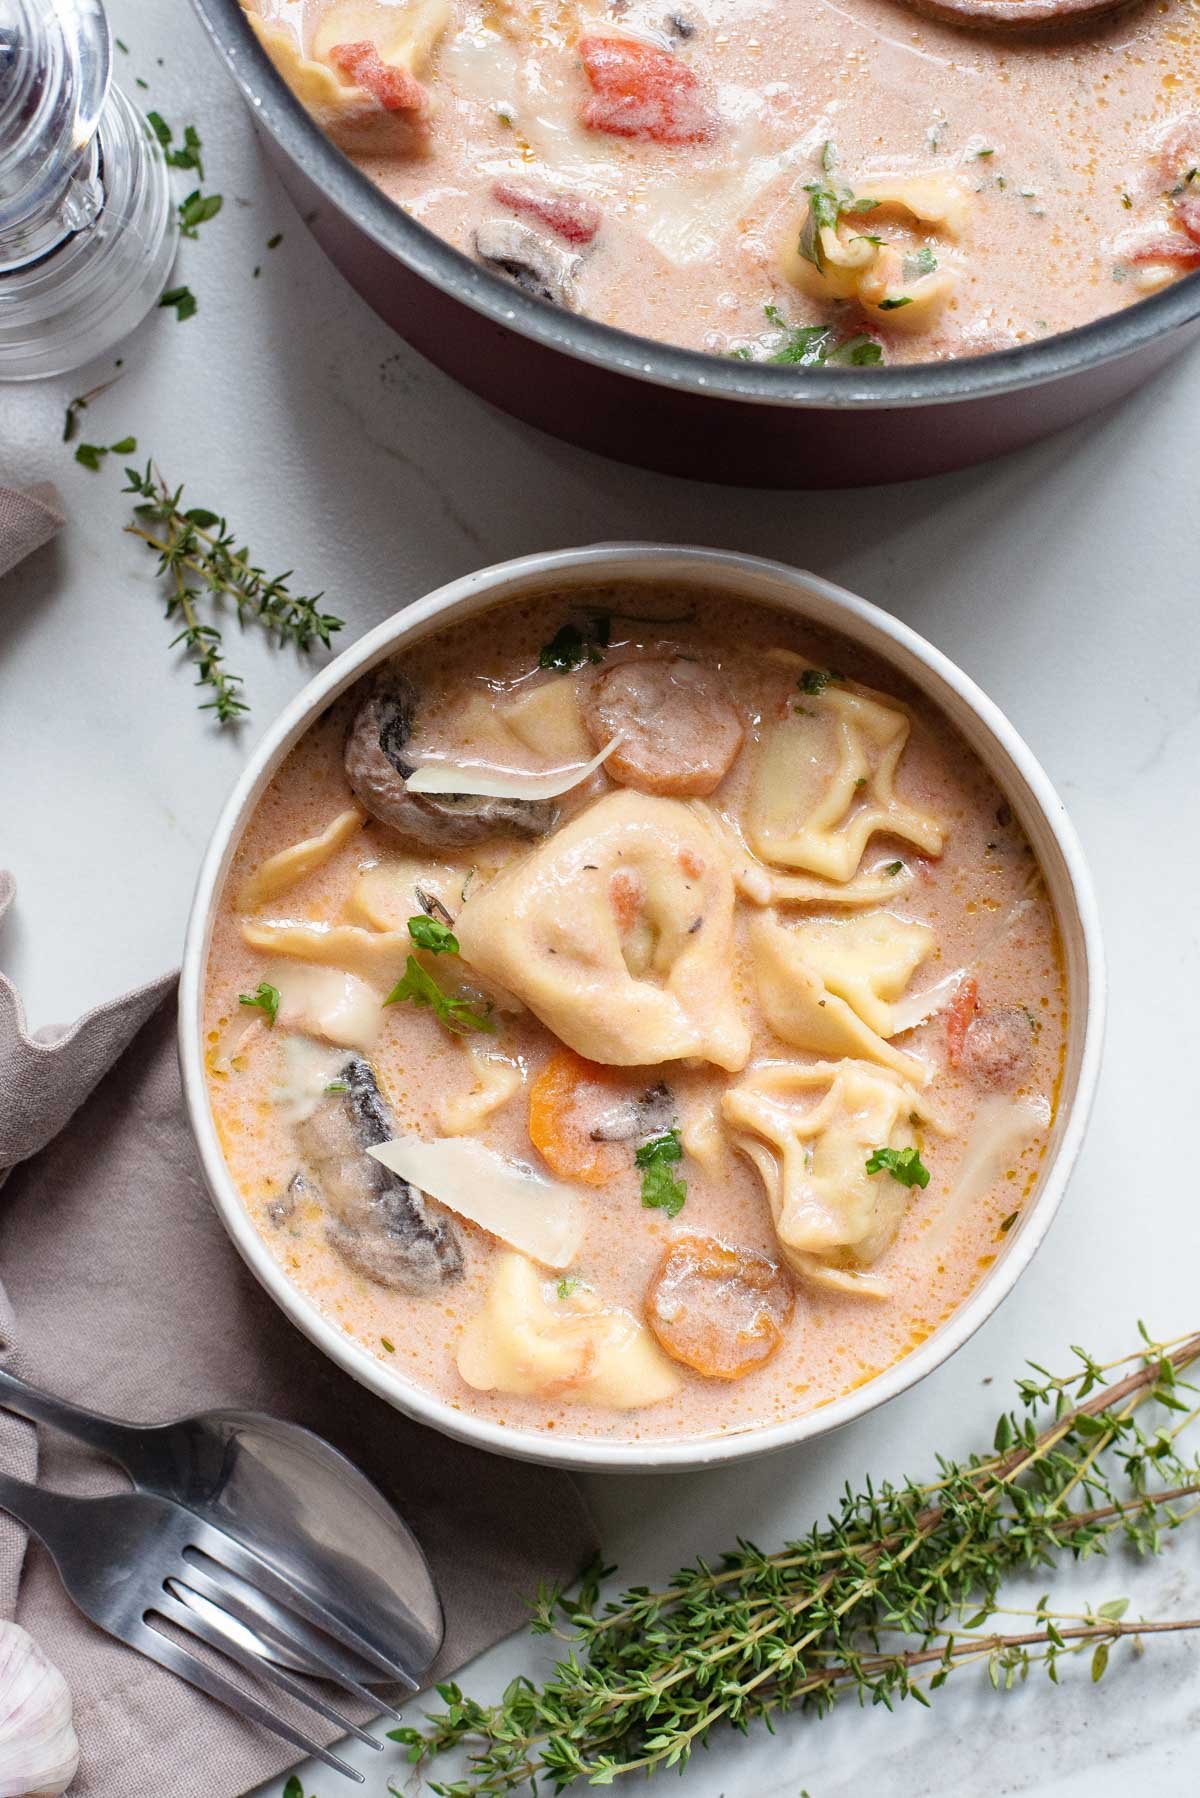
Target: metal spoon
[1022,15]
[288,1495]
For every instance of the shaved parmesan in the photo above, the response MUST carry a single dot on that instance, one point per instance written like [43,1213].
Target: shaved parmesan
[914,1009]
[503,783]
[541,1218]
[1003,1127]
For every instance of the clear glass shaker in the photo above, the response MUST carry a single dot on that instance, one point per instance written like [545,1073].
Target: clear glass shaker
[87,226]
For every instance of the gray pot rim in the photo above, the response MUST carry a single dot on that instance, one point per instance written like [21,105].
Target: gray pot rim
[447,269]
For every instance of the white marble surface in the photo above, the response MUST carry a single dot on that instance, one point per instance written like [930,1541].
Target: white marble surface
[1063,579]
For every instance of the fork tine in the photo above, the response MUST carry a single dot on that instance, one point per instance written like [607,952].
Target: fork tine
[285,1628]
[206,1679]
[227,1552]
[177,1609]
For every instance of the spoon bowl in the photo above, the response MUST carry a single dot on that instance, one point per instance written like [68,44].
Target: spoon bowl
[1015,16]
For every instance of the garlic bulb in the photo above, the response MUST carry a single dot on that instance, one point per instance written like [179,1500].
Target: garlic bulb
[38,1749]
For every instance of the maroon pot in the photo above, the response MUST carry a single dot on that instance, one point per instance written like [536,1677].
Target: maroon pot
[681,411]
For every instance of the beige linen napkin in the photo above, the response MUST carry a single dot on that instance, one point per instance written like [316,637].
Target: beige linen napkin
[27,520]
[129,1298]
[119,1289]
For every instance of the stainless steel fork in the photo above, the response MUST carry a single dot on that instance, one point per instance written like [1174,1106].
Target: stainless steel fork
[133,1561]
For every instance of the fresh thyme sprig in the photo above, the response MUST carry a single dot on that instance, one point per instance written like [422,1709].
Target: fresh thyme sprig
[646,1678]
[198,557]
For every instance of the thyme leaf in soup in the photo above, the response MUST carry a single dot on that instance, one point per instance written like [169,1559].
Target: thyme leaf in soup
[661,1190]
[566,1288]
[431,934]
[420,988]
[904,1165]
[571,646]
[265,997]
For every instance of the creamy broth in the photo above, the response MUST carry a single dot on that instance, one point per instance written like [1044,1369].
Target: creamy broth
[848,182]
[971,926]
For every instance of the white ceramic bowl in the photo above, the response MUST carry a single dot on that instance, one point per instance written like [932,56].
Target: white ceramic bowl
[993,739]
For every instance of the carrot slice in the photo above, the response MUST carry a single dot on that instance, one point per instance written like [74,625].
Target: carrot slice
[641,91]
[562,1108]
[718,1309]
[394,88]
[959,1018]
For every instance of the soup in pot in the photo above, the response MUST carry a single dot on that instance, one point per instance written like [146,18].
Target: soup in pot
[845,183]
[634,1014]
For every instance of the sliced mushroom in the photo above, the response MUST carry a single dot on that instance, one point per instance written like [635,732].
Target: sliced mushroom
[536,265]
[651,1112]
[377,771]
[380,1225]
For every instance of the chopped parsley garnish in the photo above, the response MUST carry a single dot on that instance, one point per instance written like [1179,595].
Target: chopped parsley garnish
[829,157]
[265,997]
[338,1086]
[429,933]
[982,153]
[895,305]
[187,155]
[661,1191]
[815,680]
[904,1165]
[825,209]
[571,646]
[894,868]
[91,455]
[273,243]
[566,1288]
[922,262]
[1007,1223]
[196,210]
[458,1015]
[182,299]
[388,1344]
[817,346]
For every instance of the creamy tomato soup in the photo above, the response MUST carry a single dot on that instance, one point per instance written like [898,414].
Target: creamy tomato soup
[634,1015]
[843,182]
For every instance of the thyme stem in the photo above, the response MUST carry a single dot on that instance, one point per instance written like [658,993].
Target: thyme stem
[196,552]
[645,1679]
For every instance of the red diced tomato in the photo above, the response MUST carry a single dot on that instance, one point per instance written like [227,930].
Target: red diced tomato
[641,91]
[1187,211]
[1168,246]
[570,217]
[395,89]
[959,1019]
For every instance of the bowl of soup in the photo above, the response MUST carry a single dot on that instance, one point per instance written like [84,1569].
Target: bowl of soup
[640,1008]
[712,239]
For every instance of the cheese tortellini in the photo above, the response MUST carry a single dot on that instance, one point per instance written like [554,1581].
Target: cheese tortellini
[574,1347]
[829,985]
[810,1131]
[358,78]
[824,783]
[617,932]
[837,254]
